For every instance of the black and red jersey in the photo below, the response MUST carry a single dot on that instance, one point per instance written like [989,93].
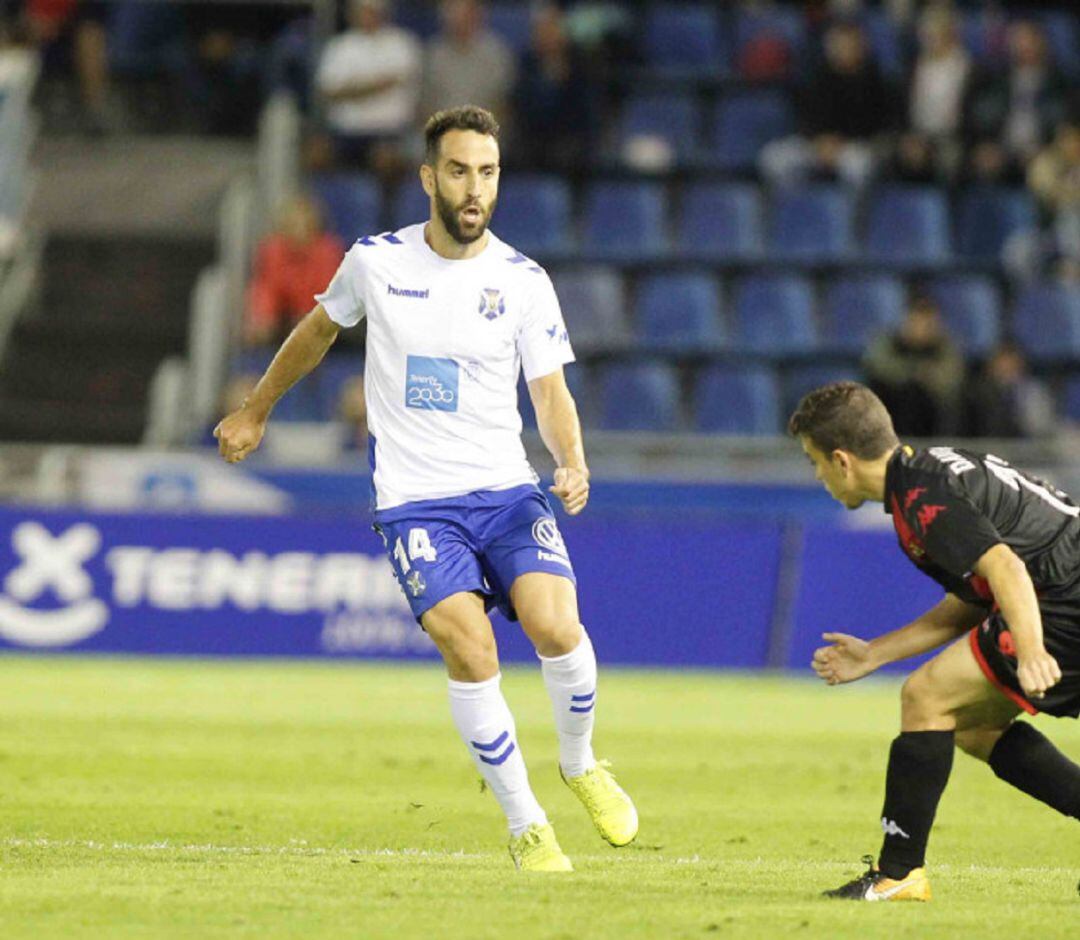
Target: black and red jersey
[949,506]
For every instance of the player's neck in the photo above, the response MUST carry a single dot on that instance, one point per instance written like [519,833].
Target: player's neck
[446,246]
[871,478]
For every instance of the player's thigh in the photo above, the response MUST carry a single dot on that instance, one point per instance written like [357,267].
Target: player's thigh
[944,688]
[546,605]
[460,628]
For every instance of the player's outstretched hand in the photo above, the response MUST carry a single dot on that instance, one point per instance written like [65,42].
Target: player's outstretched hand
[239,433]
[845,660]
[572,488]
[1037,673]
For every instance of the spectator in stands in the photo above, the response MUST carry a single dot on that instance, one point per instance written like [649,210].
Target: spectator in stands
[554,97]
[1054,178]
[369,78]
[843,108]
[292,264]
[917,371]
[929,147]
[1005,401]
[71,37]
[1010,116]
[352,410]
[468,64]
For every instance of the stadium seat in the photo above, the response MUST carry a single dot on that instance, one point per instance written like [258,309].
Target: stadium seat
[908,226]
[679,313]
[594,307]
[971,308]
[859,308]
[812,223]
[988,216]
[1046,321]
[774,315]
[744,122]
[412,205]
[352,202]
[1070,399]
[802,379]
[886,41]
[737,400]
[787,26]
[984,34]
[720,222]
[1063,37]
[511,22]
[533,214]
[672,118]
[639,397]
[624,220]
[684,39]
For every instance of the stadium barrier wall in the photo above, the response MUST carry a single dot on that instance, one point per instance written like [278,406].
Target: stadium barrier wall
[667,587]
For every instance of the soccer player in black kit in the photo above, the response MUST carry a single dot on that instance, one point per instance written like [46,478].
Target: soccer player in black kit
[1005,546]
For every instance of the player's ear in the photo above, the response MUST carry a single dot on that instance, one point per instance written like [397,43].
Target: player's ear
[427,179]
[842,459]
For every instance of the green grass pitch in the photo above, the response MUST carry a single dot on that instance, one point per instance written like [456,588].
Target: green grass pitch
[166,799]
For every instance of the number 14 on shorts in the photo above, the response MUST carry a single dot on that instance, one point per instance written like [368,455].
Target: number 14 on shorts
[419,547]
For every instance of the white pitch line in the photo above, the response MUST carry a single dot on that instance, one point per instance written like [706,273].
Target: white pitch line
[300,849]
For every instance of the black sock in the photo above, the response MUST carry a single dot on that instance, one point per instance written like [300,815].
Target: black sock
[919,765]
[1027,760]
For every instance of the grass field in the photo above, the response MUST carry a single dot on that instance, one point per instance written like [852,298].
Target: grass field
[206,799]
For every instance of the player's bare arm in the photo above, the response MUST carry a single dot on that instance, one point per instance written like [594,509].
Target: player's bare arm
[560,429]
[848,658]
[240,433]
[1008,577]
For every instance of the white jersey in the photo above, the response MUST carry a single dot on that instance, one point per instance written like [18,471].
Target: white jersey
[446,341]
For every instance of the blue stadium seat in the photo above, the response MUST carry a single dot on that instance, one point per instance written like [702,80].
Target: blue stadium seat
[720,222]
[679,313]
[744,122]
[859,308]
[684,39]
[774,315]
[908,226]
[412,205]
[577,380]
[1063,37]
[812,223]
[673,118]
[987,216]
[737,400]
[1046,321]
[788,25]
[886,41]
[1070,399]
[624,220]
[511,22]
[802,379]
[352,202]
[971,308]
[639,397]
[594,307]
[984,34]
[533,214]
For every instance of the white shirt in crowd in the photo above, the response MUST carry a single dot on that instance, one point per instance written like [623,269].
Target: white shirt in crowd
[938,92]
[356,57]
[446,341]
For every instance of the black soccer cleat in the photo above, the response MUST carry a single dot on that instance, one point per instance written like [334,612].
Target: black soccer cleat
[873,885]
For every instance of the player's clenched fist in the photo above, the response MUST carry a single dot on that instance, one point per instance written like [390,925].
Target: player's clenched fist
[572,488]
[239,434]
[1037,673]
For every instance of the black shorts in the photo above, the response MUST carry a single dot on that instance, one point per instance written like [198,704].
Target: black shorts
[992,646]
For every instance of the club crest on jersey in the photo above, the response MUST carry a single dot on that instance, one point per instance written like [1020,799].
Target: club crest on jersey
[492,303]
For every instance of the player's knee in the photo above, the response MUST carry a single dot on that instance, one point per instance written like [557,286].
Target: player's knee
[554,636]
[917,699]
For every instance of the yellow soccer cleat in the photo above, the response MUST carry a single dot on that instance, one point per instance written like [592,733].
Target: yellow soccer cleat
[536,849]
[612,811]
[874,886]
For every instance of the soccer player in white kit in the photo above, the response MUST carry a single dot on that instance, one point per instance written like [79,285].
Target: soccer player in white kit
[454,314]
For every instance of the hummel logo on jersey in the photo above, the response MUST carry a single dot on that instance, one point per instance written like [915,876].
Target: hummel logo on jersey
[554,334]
[890,828]
[408,292]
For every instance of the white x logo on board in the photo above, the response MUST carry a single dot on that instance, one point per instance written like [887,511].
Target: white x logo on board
[49,561]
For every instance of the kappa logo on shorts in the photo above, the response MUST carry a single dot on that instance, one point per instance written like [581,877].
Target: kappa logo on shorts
[431,384]
[546,532]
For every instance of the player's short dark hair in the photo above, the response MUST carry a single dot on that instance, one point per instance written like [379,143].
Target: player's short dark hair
[466,118]
[845,416]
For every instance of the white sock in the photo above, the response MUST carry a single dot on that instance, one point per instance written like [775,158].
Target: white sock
[486,726]
[571,683]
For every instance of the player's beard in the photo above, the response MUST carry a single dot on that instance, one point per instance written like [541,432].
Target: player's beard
[450,215]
